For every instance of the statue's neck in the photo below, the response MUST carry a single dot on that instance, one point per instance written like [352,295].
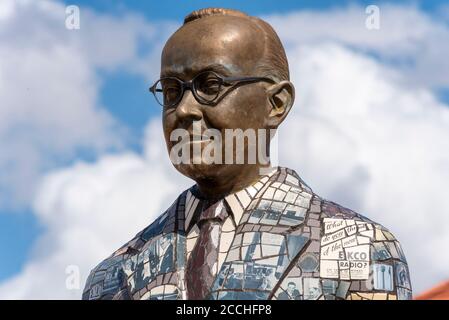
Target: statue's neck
[223,185]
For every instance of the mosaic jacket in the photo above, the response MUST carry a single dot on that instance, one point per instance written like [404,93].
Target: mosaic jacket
[280,241]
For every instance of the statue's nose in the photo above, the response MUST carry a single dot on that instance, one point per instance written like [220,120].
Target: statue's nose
[188,109]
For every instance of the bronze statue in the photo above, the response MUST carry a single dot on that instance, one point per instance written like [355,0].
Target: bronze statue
[245,230]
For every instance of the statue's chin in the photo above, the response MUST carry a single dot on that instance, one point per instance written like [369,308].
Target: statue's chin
[201,171]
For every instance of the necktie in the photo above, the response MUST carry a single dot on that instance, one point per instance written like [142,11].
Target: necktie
[202,266]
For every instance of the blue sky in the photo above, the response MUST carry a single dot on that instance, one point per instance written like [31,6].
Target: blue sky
[176,10]
[124,95]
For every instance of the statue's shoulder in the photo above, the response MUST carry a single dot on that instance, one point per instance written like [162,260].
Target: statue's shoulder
[335,217]
[361,253]
[108,279]
[348,256]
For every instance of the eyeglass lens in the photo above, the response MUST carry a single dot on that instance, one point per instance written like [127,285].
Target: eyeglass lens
[206,85]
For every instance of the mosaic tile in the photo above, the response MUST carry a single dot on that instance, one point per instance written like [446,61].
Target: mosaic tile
[312,288]
[308,262]
[342,289]
[236,208]
[383,277]
[244,198]
[291,289]
[226,241]
[403,294]
[402,275]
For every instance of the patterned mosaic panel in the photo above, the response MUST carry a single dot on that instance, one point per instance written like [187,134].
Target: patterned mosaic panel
[279,241]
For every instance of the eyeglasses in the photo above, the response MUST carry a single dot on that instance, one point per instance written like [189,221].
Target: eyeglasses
[207,88]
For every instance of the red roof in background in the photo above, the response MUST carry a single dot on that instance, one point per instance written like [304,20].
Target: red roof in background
[439,292]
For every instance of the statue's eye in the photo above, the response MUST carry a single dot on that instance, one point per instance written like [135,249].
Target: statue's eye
[171,90]
[171,93]
[211,86]
[207,85]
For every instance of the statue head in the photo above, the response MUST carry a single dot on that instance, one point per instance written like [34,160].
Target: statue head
[223,69]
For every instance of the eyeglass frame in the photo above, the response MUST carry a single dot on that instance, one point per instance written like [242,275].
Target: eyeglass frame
[189,84]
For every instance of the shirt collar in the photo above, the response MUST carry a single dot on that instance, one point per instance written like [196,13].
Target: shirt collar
[237,202]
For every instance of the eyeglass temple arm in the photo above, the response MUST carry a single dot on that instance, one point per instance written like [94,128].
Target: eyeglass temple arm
[229,79]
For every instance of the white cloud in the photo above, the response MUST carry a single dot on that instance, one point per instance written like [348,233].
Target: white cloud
[363,132]
[373,125]
[49,87]
[92,209]
[375,146]
[408,39]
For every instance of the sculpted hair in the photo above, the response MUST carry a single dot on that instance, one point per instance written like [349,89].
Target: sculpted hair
[274,63]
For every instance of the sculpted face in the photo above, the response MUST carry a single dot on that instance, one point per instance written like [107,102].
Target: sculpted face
[229,46]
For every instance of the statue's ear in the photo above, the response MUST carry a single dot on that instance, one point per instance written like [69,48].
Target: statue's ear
[281,96]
